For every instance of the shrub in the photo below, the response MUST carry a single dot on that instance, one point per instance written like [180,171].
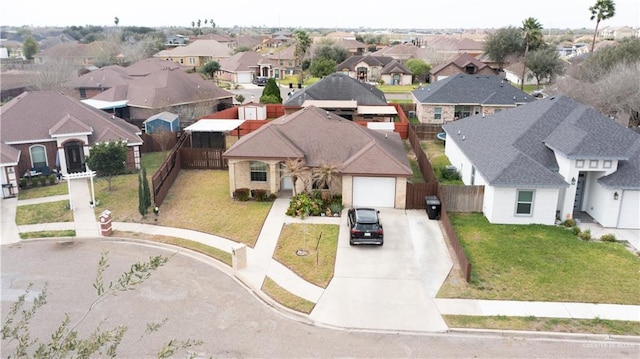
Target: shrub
[241,194]
[51,179]
[23,183]
[576,230]
[42,180]
[585,235]
[609,237]
[303,205]
[450,173]
[335,207]
[569,223]
[260,195]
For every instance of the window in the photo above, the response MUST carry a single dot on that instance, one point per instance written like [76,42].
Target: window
[606,164]
[258,172]
[437,113]
[462,111]
[524,204]
[579,163]
[473,175]
[593,164]
[38,156]
[83,93]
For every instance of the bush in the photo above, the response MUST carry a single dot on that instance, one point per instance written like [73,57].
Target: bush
[23,183]
[42,180]
[241,194]
[260,195]
[610,237]
[335,207]
[585,235]
[303,205]
[576,230]
[569,223]
[51,179]
[450,173]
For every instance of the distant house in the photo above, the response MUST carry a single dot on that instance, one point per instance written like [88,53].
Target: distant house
[402,52]
[616,32]
[345,96]
[197,53]
[547,161]
[284,61]
[513,74]
[367,161]
[463,64]
[465,95]
[243,67]
[369,68]
[149,87]
[80,55]
[44,131]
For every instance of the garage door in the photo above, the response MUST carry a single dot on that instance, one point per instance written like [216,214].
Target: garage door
[374,191]
[629,210]
[244,78]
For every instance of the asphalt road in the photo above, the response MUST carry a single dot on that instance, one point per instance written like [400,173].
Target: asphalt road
[200,300]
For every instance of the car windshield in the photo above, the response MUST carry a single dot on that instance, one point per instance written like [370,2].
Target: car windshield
[367,216]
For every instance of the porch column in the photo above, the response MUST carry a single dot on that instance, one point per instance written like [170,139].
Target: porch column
[274,183]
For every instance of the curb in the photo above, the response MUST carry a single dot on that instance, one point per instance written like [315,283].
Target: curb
[547,335]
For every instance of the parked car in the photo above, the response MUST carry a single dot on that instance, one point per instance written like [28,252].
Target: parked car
[260,80]
[365,226]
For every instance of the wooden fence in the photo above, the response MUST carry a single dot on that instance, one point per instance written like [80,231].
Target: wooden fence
[427,131]
[202,158]
[462,198]
[454,242]
[163,178]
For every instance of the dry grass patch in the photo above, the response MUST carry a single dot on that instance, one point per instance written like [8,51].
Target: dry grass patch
[318,264]
[200,200]
[212,252]
[282,296]
[49,212]
[591,326]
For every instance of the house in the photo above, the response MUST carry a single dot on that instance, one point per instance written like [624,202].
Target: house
[243,67]
[373,166]
[513,74]
[402,52]
[153,86]
[369,68]
[463,64]
[51,130]
[346,97]
[548,160]
[465,95]
[616,33]
[197,53]
[284,61]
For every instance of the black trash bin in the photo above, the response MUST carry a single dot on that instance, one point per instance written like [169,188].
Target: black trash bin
[299,85]
[433,207]
[290,85]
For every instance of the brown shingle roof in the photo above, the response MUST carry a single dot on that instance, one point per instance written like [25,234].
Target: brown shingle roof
[32,115]
[322,138]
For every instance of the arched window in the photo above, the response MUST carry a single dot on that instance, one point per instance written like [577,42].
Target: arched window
[38,156]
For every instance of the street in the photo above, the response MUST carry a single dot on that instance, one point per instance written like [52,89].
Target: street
[200,299]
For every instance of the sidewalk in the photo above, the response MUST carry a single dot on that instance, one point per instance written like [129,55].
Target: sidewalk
[261,265]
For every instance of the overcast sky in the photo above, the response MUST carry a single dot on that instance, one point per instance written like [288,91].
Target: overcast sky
[315,13]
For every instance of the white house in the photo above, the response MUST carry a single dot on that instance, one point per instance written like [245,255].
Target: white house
[547,160]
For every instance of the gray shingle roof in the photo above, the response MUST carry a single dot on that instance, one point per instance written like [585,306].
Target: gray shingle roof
[339,87]
[515,147]
[320,139]
[472,89]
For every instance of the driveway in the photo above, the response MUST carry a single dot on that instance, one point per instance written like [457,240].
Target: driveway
[392,286]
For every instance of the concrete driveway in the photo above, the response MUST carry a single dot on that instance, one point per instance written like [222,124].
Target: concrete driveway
[391,286]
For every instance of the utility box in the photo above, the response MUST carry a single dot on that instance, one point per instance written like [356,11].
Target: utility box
[239,257]
[433,207]
[105,223]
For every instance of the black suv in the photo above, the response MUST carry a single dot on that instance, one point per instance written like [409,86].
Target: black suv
[260,80]
[365,226]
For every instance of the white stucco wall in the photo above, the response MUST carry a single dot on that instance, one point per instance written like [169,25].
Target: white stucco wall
[502,207]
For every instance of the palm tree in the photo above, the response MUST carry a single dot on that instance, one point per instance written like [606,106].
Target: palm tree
[116,21]
[601,10]
[325,175]
[303,41]
[295,168]
[532,31]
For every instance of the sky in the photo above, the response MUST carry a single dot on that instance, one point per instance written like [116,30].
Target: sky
[424,14]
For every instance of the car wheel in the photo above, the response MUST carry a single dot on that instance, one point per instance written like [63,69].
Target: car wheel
[351,242]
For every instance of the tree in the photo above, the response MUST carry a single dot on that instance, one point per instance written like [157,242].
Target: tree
[544,63]
[322,67]
[144,194]
[296,169]
[241,49]
[67,340]
[532,33]
[108,159]
[210,68]
[602,62]
[328,50]
[116,20]
[213,24]
[419,68]
[271,92]
[30,47]
[503,43]
[325,175]
[163,136]
[601,10]
[303,42]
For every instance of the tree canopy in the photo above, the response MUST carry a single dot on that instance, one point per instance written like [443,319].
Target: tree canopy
[210,68]
[544,63]
[30,47]
[303,42]
[503,43]
[322,67]
[601,10]
[108,159]
[532,34]
[271,92]
[419,68]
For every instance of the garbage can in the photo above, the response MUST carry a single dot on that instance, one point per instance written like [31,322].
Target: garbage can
[299,85]
[290,85]
[433,207]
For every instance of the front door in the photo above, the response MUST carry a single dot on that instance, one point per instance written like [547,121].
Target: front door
[577,202]
[74,155]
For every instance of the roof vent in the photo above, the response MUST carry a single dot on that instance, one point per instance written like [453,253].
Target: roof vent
[552,98]
[463,138]
[458,132]
[482,114]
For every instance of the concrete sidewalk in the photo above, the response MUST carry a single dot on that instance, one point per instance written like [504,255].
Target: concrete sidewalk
[261,265]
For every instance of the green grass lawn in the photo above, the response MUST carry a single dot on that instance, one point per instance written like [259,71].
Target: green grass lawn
[49,212]
[541,263]
[43,191]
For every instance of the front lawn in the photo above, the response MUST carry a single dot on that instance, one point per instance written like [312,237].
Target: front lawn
[49,212]
[541,263]
[57,189]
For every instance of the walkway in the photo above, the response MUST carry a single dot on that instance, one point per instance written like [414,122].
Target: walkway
[261,265]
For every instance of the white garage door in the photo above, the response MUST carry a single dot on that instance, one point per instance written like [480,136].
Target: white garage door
[630,210]
[244,78]
[374,191]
